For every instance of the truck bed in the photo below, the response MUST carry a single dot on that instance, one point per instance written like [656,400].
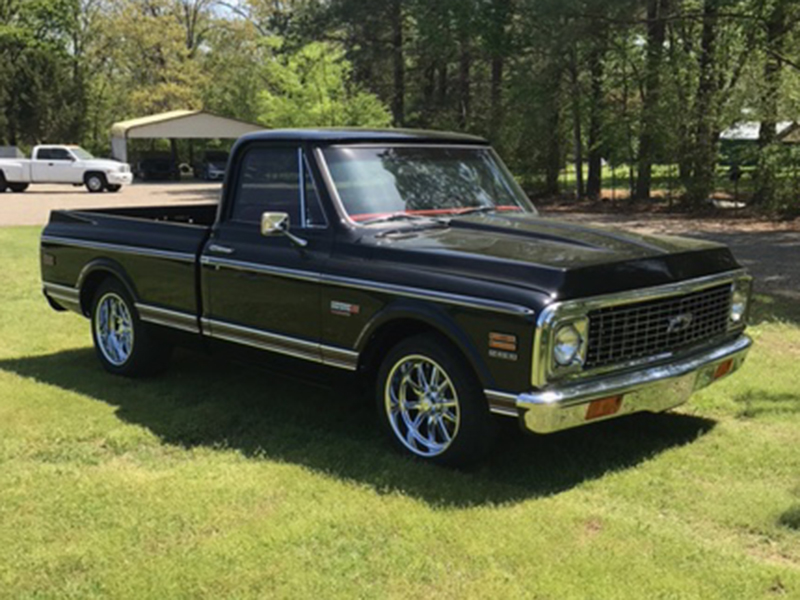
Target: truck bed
[193,214]
[155,247]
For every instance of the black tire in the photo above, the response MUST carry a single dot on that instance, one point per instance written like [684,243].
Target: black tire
[146,354]
[3,184]
[113,188]
[18,188]
[95,182]
[473,431]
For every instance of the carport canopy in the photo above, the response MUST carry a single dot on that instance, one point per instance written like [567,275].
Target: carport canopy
[177,124]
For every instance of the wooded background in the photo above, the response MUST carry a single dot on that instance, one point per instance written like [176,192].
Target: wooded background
[565,89]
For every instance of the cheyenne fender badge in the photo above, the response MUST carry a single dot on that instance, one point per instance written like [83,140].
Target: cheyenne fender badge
[344,309]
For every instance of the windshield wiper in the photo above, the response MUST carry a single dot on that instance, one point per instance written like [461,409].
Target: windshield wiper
[398,217]
[474,210]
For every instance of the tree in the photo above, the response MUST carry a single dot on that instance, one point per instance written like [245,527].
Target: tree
[313,87]
[43,96]
[658,11]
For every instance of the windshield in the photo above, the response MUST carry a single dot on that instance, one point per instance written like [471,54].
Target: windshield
[378,182]
[81,154]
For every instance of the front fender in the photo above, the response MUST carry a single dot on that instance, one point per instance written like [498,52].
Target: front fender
[433,316]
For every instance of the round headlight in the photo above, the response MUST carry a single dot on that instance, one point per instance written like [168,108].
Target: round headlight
[567,345]
[738,306]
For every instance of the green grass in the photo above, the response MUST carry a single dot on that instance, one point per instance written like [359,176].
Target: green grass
[225,481]
[666,180]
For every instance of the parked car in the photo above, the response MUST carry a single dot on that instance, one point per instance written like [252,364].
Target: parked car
[415,261]
[211,167]
[157,168]
[63,164]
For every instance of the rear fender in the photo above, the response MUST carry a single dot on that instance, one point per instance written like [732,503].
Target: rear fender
[91,275]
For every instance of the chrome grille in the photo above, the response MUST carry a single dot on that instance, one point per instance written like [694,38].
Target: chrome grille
[653,327]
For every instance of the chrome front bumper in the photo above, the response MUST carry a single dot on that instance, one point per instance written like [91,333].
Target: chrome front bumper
[653,389]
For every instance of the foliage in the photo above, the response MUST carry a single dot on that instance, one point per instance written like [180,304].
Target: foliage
[41,97]
[550,83]
[313,87]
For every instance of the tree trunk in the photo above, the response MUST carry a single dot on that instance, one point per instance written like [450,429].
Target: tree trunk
[464,84]
[500,12]
[777,26]
[595,178]
[441,94]
[704,145]
[553,154]
[657,11]
[428,91]
[398,59]
[496,98]
[577,139]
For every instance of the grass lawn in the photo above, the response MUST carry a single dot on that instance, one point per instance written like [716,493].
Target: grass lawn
[218,480]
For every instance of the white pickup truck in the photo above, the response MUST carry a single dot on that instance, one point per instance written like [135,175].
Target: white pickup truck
[63,164]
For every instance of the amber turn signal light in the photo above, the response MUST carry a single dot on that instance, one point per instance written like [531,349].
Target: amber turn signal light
[723,368]
[603,407]
[503,341]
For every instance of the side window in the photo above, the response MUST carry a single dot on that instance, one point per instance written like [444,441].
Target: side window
[59,154]
[269,181]
[44,154]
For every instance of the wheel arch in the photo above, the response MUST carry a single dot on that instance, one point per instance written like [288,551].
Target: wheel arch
[404,320]
[94,273]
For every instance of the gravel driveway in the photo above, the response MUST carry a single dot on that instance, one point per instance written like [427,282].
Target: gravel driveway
[33,207]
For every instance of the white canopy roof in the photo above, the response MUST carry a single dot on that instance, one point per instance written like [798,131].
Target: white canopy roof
[748,130]
[178,124]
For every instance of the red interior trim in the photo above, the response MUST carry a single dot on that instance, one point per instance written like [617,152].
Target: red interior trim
[429,212]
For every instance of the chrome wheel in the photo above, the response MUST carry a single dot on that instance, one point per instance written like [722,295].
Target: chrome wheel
[114,329]
[422,405]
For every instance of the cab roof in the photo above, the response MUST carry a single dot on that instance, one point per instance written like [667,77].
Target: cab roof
[360,136]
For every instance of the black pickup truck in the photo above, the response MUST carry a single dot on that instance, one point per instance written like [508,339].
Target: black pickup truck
[414,260]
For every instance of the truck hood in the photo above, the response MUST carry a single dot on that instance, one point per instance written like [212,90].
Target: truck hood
[562,260]
[102,163]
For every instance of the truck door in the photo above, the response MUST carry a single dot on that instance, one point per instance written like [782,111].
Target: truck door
[54,165]
[264,291]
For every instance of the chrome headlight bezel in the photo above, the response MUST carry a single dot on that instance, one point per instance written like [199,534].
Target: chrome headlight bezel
[568,345]
[741,292]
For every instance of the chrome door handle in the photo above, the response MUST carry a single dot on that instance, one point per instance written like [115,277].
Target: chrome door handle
[217,249]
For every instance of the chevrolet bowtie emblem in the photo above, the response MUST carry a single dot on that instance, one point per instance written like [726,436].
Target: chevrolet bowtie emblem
[680,322]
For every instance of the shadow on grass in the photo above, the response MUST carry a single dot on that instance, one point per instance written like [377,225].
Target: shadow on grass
[201,401]
[755,404]
[791,518]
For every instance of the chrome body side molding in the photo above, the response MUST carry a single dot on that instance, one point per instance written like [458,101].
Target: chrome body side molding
[168,318]
[281,344]
[151,252]
[66,296]
[370,286]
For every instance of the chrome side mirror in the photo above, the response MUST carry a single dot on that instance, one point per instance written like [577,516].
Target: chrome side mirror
[274,223]
[277,223]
